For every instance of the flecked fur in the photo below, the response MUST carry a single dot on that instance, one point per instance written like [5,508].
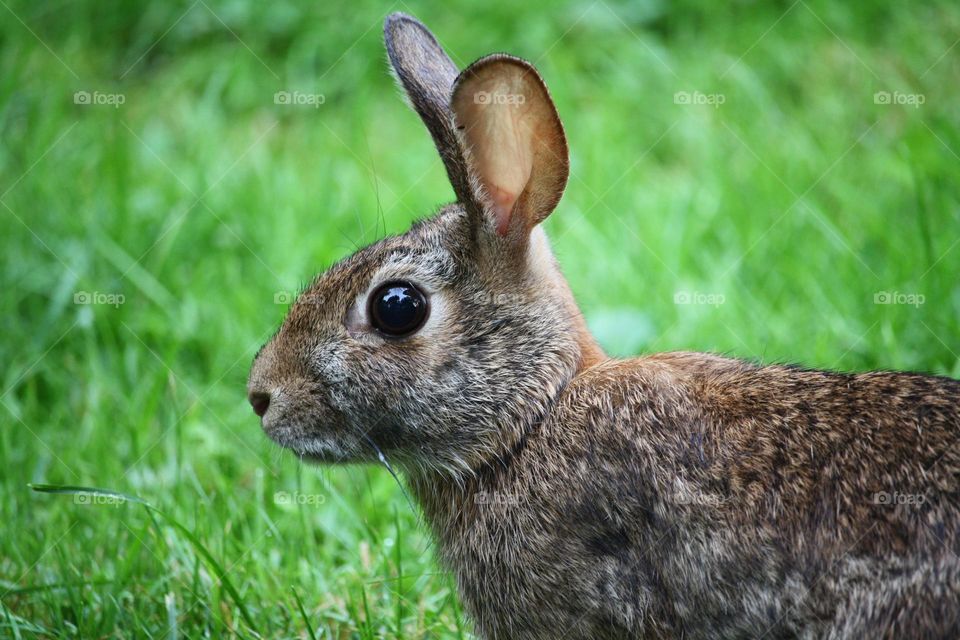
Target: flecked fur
[576,496]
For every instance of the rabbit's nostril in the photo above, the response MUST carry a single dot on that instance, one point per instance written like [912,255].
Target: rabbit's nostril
[260,402]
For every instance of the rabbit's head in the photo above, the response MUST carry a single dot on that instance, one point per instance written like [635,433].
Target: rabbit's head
[441,346]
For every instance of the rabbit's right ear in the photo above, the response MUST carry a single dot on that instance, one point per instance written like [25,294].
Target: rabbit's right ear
[513,143]
[427,75]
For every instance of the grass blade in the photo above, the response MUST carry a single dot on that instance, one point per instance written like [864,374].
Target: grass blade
[303,612]
[198,546]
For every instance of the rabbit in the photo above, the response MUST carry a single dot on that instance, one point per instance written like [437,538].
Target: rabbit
[573,495]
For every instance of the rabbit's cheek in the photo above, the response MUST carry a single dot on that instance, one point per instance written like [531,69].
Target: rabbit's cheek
[329,361]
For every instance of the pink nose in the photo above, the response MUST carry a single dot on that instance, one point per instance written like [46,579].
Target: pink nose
[260,402]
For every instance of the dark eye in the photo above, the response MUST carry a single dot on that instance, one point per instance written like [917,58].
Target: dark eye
[397,309]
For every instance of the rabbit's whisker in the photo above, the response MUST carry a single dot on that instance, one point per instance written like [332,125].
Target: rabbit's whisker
[383,460]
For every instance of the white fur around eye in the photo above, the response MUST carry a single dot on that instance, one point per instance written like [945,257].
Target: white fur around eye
[358,321]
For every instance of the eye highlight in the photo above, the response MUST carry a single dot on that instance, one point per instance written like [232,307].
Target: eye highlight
[397,309]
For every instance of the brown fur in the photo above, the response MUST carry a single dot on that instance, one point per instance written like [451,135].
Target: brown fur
[683,495]
[575,496]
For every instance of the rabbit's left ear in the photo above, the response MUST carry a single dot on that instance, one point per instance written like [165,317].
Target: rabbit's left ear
[427,75]
[513,141]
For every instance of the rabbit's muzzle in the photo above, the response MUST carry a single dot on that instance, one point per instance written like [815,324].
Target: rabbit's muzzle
[295,411]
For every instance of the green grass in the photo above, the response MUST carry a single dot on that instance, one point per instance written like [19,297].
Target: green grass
[790,205]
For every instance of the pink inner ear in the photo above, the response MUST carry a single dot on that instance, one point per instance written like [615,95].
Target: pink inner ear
[503,202]
[499,133]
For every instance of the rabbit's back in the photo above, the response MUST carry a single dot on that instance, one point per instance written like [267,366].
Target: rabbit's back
[689,494]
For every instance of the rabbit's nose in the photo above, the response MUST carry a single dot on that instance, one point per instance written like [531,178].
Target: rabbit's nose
[260,402]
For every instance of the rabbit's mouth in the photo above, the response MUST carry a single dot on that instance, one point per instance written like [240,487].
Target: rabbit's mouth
[308,446]
[320,450]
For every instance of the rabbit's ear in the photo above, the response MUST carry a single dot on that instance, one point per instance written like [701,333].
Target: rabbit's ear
[427,75]
[514,143]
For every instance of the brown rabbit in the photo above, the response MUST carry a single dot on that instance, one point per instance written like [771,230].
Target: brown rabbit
[576,496]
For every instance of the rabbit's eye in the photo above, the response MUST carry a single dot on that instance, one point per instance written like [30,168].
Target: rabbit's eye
[397,309]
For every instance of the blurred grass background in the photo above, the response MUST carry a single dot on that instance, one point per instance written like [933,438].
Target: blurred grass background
[782,214]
